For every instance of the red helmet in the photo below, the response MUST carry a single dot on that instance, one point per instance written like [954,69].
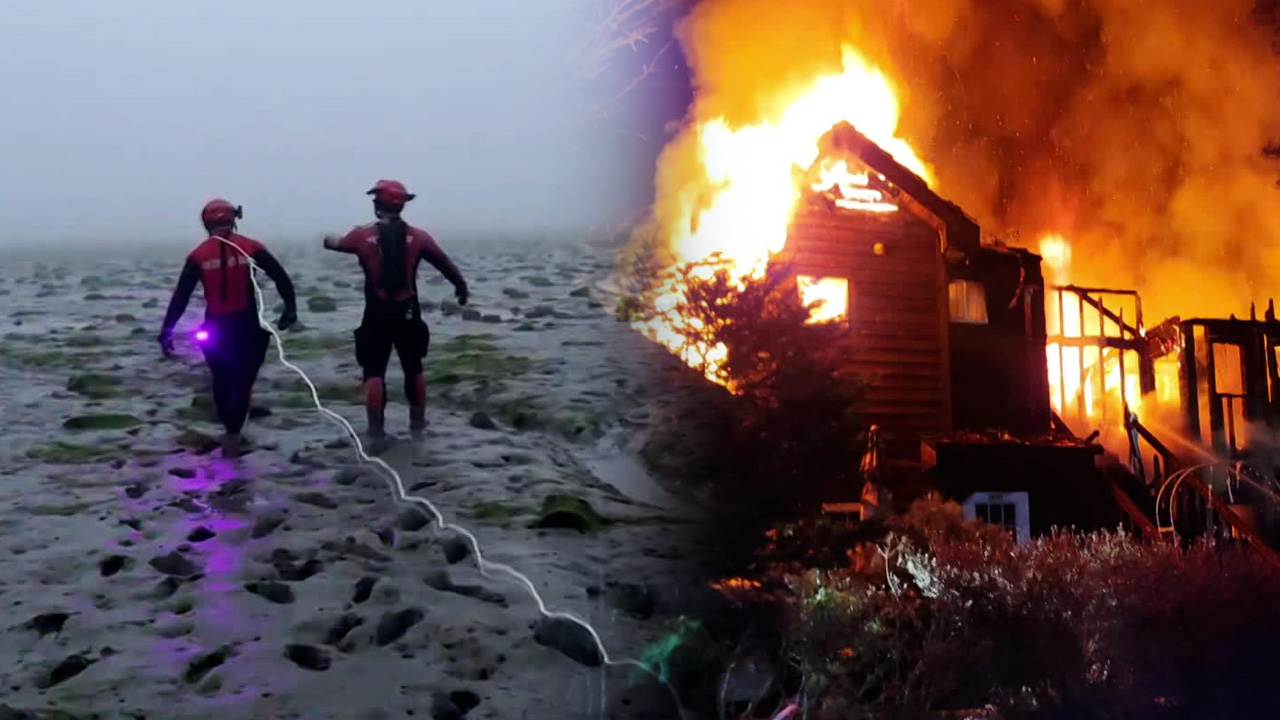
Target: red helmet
[390,192]
[219,212]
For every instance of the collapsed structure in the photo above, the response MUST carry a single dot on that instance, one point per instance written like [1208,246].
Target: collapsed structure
[949,332]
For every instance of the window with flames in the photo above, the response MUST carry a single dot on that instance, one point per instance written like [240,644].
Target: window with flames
[832,294]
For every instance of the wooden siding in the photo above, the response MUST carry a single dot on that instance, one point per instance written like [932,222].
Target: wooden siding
[898,336]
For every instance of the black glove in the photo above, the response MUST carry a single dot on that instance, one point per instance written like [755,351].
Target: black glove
[288,319]
[166,343]
[462,294]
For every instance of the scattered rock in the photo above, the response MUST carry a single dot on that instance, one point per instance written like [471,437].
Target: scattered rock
[93,385]
[581,292]
[101,421]
[321,304]
[412,520]
[515,294]
[308,657]
[491,318]
[166,588]
[465,700]
[298,572]
[455,549]
[135,490]
[364,589]
[387,536]
[266,525]
[568,511]
[47,623]
[203,664]
[347,476]
[439,580]
[471,315]
[276,592]
[351,547]
[570,638]
[175,564]
[538,281]
[394,625]
[112,564]
[182,472]
[201,534]
[540,311]
[482,421]
[443,708]
[318,499]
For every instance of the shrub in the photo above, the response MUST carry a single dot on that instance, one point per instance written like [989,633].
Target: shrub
[1066,626]
[790,430]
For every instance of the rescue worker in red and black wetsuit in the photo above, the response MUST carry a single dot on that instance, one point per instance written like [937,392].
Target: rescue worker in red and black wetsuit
[236,345]
[389,251]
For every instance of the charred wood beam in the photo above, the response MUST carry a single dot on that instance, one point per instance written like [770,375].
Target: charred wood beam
[962,231]
[1095,341]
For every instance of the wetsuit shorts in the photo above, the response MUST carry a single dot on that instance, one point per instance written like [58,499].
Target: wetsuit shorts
[388,325]
[236,340]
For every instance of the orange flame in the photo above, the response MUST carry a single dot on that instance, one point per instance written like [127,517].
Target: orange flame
[737,209]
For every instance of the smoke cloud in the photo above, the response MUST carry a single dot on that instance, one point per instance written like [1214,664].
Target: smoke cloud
[1135,129]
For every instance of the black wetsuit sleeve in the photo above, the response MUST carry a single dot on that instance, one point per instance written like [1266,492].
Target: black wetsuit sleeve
[435,255]
[181,296]
[275,271]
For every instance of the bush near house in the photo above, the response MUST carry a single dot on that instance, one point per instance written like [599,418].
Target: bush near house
[943,613]
[790,430]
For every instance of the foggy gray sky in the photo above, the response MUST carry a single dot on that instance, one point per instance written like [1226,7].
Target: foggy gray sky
[120,118]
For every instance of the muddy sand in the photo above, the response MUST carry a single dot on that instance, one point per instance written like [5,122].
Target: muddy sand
[144,576]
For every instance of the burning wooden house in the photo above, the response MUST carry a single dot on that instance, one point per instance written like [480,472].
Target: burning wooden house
[949,334]
[968,385]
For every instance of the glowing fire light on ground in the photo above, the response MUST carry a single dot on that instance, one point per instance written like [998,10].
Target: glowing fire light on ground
[737,211]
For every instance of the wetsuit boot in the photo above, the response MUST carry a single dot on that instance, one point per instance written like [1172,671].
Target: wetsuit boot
[415,389]
[377,422]
[231,445]
[375,404]
[417,419]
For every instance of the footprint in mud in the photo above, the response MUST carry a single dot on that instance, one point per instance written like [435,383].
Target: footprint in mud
[203,664]
[308,657]
[297,572]
[266,525]
[364,589]
[317,499]
[394,625]
[275,592]
[201,534]
[72,666]
[113,564]
[175,564]
[47,623]
[440,580]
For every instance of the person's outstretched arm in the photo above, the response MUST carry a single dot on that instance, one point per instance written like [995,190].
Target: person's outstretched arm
[274,270]
[340,243]
[435,255]
[178,302]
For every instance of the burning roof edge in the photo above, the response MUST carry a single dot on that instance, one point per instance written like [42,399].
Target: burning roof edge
[960,231]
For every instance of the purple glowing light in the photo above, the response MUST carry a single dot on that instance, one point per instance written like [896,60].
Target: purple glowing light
[202,336]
